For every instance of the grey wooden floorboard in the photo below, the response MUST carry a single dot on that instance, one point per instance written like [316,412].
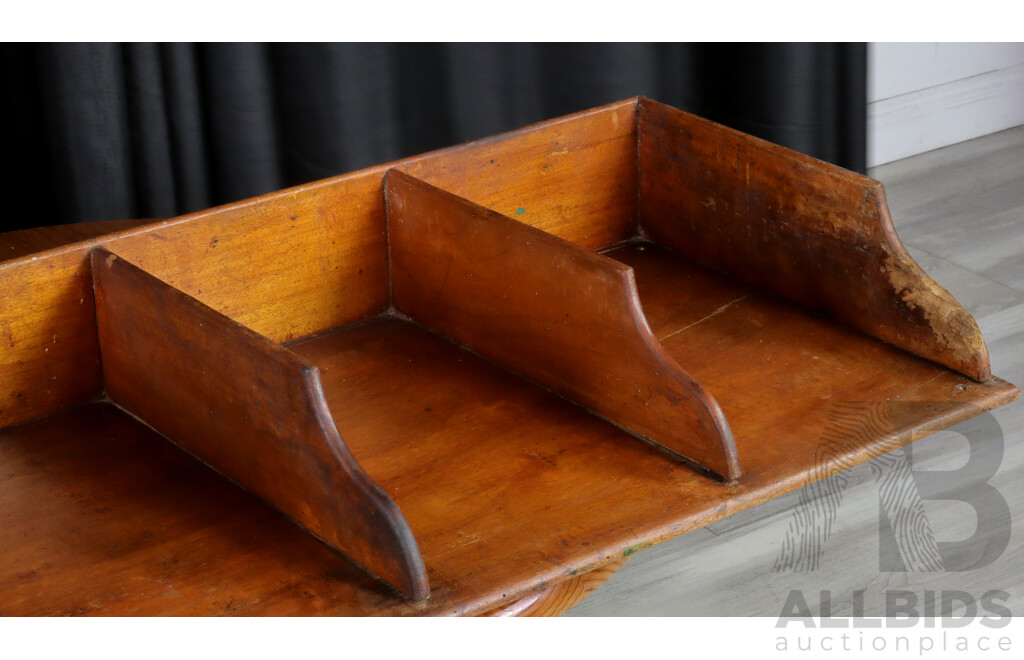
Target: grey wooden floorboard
[965,204]
[960,211]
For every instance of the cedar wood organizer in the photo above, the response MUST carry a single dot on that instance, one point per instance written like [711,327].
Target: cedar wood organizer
[470,379]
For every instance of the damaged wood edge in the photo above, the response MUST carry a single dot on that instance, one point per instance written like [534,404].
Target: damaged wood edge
[953,327]
[251,410]
[551,311]
[785,202]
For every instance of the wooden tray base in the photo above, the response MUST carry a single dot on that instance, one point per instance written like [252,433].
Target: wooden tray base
[105,516]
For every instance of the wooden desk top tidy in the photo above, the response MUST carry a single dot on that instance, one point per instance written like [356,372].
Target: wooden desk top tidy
[473,381]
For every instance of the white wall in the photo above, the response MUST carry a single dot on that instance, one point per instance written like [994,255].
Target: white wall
[922,96]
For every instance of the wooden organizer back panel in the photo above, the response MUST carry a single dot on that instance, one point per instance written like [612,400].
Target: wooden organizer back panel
[574,177]
[49,353]
[286,265]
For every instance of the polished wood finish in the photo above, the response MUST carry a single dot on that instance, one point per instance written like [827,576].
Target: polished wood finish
[49,354]
[562,316]
[494,520]
[506,490]
[959,211]
[14,244]
[574,177]
[287,264]
[104,516]
[812,232]
[248,408]
[744,350]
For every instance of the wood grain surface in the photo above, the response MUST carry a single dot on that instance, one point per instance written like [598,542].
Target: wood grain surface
[812,232]
[574,177]
[105,516]
[14,244]
[508,492]
[554,601]
[561,315]
[959,212]
[49,354]
[287,264]
[508,487]
[248,408]
[777,369]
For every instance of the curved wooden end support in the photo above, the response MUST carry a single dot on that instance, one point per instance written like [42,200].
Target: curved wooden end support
[556,313]
[249,409]
[806,230]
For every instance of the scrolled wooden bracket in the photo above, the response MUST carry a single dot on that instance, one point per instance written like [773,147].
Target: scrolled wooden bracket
[801,228]
[558,314]
[249,409]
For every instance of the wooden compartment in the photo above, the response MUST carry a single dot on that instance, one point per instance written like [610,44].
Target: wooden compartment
[478,373]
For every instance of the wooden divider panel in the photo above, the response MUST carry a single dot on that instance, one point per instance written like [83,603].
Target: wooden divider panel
[49,354]
[556,313]
[250,409]
[809,231]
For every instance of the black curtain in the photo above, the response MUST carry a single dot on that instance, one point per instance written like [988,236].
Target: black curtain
[112,131]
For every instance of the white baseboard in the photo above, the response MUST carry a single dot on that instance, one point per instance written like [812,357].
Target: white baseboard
[927,119]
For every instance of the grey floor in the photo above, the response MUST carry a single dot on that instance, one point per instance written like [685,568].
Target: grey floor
[960,212]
